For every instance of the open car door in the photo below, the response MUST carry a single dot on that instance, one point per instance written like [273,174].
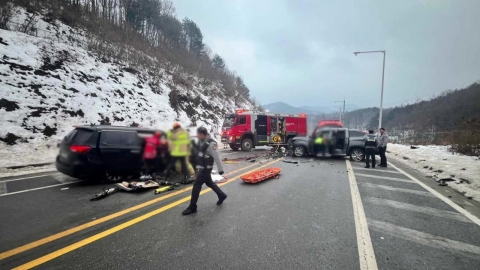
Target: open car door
[341,141]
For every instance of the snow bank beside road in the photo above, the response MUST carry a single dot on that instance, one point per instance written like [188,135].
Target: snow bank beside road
[437,162]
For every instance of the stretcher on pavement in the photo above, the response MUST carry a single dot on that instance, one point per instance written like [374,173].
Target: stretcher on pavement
[261,175]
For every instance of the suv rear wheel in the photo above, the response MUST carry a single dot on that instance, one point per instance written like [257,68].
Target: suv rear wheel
[357,154]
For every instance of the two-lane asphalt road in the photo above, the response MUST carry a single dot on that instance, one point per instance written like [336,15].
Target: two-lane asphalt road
[320,214]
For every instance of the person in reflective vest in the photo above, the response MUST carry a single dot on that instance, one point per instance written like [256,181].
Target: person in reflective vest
[179,148]
[319,144]
[150,153]
[207,156]
[370,149]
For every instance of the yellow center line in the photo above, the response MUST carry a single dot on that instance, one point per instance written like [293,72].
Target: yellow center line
[117,228]
[82,227]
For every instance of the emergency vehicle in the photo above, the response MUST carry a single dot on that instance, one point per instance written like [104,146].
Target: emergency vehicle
[330,123]
[246,129]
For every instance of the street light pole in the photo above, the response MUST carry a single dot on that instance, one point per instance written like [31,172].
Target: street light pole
[342,116]
[383,76]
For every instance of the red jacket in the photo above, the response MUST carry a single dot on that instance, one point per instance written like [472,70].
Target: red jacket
[151,146]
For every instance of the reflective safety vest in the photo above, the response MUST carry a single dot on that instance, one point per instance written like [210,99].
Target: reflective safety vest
[371,141]
[204,160]
[319,140]
[151,145]
[179,143]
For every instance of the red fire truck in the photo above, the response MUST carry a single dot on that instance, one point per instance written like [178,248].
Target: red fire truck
[247,129]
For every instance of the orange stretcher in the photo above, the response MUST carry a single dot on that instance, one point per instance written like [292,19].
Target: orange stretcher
[261,175]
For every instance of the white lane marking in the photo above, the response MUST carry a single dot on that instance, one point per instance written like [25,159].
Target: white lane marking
[418,209]
[3,188]
[376,170]
[473,218]
[385,178]
[426,239]
[33,189]
[364,242]
[30,177]
[405,190]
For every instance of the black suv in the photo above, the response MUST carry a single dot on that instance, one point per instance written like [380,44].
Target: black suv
[102,152]
[348,142]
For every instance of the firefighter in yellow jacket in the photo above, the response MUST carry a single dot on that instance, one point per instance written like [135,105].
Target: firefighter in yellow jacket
[179,148]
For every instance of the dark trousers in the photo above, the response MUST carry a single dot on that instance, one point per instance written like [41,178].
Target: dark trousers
[370,153]
[383,157]
[203,177]
[151,166]
[171,165]
[320,148]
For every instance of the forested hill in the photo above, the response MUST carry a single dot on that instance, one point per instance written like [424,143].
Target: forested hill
[450,111]
[119,62]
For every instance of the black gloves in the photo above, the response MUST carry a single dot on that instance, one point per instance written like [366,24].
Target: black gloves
[221,173]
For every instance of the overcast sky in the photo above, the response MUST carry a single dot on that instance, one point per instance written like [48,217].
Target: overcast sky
[301,52]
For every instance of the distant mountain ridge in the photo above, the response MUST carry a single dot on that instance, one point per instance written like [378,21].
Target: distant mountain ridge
[282,107]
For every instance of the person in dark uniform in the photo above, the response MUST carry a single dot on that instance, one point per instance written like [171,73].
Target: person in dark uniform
[207,156]
[370,148]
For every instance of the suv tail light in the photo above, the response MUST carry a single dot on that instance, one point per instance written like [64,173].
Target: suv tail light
[82,149]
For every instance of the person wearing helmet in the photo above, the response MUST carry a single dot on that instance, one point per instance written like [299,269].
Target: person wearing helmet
[206,157]
[179,148]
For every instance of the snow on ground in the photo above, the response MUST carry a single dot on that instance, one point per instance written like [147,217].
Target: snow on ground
[443,164]
[50,84]
[4,172]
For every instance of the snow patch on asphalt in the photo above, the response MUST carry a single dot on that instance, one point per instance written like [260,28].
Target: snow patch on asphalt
[443,164]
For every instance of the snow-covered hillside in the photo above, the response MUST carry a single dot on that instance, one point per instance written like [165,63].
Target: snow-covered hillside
[48,85]
[437,162]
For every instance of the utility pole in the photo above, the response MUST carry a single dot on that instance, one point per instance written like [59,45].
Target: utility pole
[342,114]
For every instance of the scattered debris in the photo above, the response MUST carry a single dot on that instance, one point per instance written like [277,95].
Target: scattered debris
[438,171]
[134,186]
[463,169]
[425,167]
[413,147]
[65,188]
[463,180]
[406,158]
[105,193]
[448,179]
[290,161]
[443,184]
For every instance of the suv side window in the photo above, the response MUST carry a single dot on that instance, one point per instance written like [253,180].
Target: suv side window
[82,135]
[120,138]
[242,120]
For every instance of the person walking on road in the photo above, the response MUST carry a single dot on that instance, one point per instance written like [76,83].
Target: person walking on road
[370,149]
[179,148]
[382,147]
[206,157]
